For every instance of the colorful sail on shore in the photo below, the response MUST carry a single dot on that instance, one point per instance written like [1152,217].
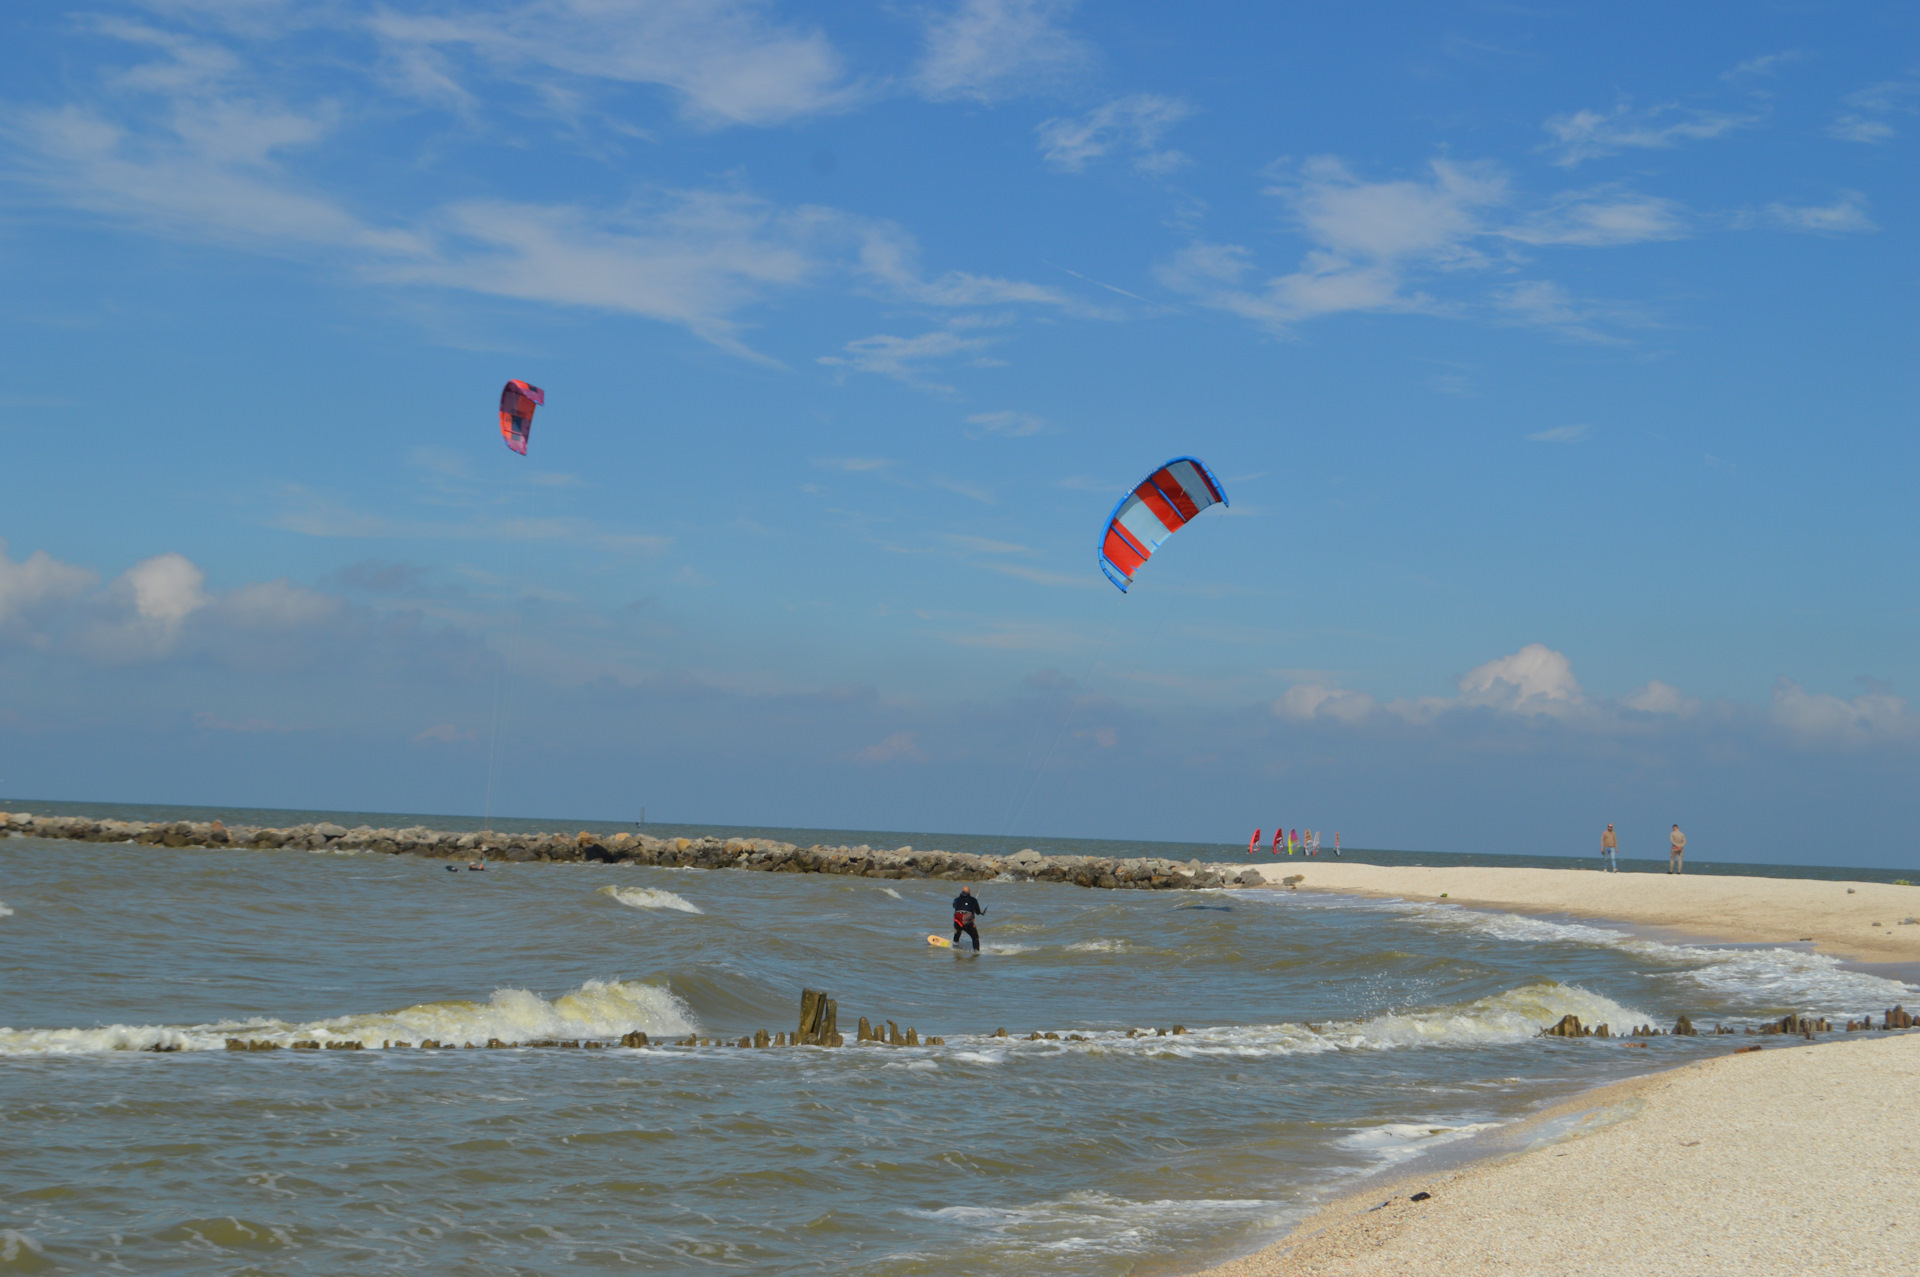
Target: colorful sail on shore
[517,402]
[1159,506]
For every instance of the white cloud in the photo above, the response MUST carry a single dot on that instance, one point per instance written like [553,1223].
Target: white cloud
[854,465]
[1011,425]
[276,605]
[1658,698]
[1865,121]
[1375,243]
[993,49]
[1854,128]
[1560,434]
[37,581]
[1844,215]
[1130,125]
[1586,134]
[728,63]
[900,746]
[972,491]
[1600,221]
[166,589]
[1546,304]
[1426,219]
[905,358]
[1304,702]
[888,255]
[1819,717]
[1765,64]
[1534,680]
[183,146]
[694,258]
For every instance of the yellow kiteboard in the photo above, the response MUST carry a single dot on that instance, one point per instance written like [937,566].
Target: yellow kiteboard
[941,941]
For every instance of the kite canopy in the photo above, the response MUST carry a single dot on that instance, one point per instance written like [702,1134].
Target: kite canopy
[1159,506]
[517,402]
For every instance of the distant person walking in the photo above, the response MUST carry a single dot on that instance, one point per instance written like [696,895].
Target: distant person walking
[965,909]
[1679,841]
[1610,850]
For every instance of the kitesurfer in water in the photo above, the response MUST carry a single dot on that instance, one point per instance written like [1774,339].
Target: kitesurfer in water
[965,909]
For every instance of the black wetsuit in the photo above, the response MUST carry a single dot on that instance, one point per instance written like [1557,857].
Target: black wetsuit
[965,905]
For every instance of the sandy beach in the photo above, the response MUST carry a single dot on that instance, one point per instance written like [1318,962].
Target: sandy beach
[1857,921]
[1783,1160]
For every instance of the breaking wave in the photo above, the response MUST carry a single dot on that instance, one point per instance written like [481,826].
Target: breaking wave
[1392,1142]
[1764,977]
[1514,1016]
[650,898]
[4,911]
[597,1009]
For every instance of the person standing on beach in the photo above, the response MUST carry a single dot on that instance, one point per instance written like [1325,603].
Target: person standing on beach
[1610,848]
[965,909]
[1679,841]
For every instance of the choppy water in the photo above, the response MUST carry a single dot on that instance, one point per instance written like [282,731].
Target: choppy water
[1108,1155]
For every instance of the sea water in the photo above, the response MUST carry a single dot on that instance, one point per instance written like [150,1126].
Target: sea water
[1326,1037]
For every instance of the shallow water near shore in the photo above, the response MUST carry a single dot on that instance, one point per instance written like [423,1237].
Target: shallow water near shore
[1328,1036]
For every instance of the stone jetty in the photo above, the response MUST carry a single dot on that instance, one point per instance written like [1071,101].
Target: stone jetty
[1139,873]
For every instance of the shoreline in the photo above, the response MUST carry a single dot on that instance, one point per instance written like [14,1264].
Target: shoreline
[1744,1162]
[1838,917]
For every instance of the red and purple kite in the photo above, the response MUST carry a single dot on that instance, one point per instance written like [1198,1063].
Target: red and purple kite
[517,402]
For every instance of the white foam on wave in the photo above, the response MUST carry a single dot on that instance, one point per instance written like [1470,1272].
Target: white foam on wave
[4,911]
[597,1009]
[1760,977]
[891,892]
[1005,949]
[1089,1221]
[1514,1016]
[1392,1142]
[650,898]
[1097,946]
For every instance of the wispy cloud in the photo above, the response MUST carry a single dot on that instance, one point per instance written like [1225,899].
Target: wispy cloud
[1131,126]
[1376,245]
[988,50]
[1865,119]
[899,747]
[725,63]
[1758,68]
[1587,134]
[855,465]
[907,358]
[1845,215]
[1010,425]
[1560,434]
[192,142]
[960,487]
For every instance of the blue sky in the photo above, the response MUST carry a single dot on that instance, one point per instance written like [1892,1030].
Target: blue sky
[1559,367]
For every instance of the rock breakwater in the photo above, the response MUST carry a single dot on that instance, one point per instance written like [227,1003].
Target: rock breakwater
[1140,873]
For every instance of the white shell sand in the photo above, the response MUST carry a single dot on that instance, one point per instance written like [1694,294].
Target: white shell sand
[1784,1160]
[1766,910]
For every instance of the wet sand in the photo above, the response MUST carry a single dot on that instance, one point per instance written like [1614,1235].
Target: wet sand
[1783,1160]
[1717,907]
